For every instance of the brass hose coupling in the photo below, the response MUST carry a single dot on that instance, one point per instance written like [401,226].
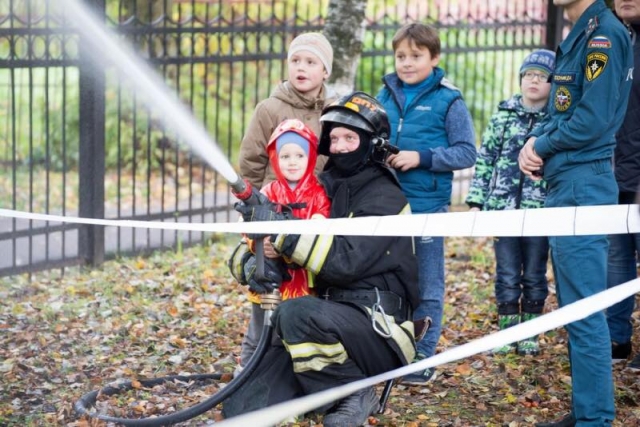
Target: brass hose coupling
[271,300]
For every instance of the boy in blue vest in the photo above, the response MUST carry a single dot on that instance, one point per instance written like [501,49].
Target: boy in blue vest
[432,127]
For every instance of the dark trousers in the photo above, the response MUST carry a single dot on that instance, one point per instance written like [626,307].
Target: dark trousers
[521,268]
[317,322]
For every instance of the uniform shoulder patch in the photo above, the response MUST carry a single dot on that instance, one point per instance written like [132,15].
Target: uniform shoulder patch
[592,25]
[596,63]
[599,42]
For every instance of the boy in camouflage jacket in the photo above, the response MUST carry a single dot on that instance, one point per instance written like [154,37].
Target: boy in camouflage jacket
[498,184]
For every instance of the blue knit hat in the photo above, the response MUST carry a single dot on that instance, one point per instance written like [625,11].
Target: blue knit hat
[542,59]
[292,138]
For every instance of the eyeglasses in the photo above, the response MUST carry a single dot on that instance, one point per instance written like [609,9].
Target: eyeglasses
[530,75]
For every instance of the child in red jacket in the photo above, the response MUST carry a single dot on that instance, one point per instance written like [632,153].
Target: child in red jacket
[292,151]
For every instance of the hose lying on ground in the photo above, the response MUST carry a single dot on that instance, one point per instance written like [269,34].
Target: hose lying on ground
[86,402]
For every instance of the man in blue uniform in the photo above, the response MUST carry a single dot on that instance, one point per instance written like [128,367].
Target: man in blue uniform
[573,149]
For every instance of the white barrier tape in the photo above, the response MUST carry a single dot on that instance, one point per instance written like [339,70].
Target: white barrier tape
[560,317]
[611,219]
[583,220]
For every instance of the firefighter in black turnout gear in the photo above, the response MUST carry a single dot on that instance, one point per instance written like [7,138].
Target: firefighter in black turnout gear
[359,324]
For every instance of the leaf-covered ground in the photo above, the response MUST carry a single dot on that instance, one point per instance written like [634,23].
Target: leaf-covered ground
[180,313]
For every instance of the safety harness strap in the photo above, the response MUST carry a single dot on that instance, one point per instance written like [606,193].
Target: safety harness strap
[393,304]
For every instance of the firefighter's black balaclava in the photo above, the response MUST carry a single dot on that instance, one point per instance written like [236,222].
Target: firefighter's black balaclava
[348,164]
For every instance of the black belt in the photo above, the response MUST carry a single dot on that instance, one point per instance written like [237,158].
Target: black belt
[392,303]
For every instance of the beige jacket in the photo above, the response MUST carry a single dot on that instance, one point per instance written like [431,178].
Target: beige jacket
[284,103]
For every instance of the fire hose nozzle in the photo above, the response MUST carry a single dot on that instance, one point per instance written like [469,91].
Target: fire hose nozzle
[244,191]
[241,188]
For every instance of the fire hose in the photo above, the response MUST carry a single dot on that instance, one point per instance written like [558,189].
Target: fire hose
[250,196]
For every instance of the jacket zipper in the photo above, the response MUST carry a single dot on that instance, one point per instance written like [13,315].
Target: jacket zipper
[399,129]
[521,185]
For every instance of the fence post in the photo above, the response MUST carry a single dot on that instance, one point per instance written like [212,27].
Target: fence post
[555,26]
[92,150]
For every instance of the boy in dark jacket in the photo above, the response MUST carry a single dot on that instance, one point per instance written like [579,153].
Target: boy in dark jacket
[499,184]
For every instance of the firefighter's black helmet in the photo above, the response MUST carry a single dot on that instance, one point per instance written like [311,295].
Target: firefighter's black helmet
[357,110]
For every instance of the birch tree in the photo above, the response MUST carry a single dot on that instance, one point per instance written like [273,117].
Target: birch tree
[345,28]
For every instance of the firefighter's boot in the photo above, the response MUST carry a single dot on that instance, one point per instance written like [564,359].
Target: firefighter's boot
[353,410]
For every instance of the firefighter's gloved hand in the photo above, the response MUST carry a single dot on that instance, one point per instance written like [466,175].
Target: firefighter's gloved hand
[275,272]
[257,198]
[263,212]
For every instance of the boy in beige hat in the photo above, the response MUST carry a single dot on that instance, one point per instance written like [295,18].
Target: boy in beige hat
[302,96]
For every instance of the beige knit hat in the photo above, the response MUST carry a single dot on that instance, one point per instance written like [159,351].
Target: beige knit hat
[315,43]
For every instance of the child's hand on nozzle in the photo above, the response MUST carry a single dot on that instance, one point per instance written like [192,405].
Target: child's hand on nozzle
[269,250]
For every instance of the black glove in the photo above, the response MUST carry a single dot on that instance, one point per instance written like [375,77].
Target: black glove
[263,212]
[275,272]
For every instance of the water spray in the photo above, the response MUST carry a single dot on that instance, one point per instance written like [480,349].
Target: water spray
[105,49]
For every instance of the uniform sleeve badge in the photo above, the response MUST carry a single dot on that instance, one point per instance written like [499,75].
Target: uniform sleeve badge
[599,42]
[596,62]
[562,100]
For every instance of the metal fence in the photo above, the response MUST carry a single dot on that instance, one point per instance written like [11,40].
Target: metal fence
[75,138]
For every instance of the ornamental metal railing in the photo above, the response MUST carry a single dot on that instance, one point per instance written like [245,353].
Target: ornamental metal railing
[75,139]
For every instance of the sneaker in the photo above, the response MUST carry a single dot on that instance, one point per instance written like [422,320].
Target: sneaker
[634,365]
[620,351]
[567,421]
[353,410]
[420,377]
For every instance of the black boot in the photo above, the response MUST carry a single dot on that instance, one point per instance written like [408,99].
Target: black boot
[353,410]
[567,421]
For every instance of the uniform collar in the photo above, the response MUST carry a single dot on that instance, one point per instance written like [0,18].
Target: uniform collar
[587,23]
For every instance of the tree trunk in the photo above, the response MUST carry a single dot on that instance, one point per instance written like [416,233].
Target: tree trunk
[148,11]
[344,28]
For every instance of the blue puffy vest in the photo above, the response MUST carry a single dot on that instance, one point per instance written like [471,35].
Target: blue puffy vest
[418,128]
